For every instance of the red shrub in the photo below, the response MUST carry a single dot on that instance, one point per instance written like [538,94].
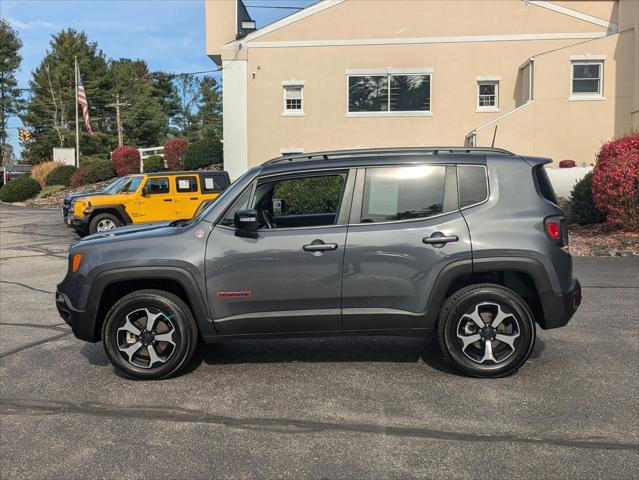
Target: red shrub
[175,153]
[126,160]
[79,177]
[567,164]
[615,183]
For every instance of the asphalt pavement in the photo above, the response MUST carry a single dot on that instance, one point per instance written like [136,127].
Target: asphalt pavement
[369,407]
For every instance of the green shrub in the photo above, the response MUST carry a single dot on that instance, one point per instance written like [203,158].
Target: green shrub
[50,190]
[309,195]
[21,189]
[61,175]
[91,159]
[154,163]
[203,153]
[584,210]
[99,171]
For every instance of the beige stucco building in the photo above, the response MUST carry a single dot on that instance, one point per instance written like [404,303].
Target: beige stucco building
[551,78]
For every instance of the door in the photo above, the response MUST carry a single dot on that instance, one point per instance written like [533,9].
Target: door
[287,277]
[405,226]
[155,201]
[187,196]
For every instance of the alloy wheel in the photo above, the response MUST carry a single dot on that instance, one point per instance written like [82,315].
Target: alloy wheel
[105,224]
[488,332]
[146,337]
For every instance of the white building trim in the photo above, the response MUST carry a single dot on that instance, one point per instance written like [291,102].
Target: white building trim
[295,17]
[587,57]
[612,27]
[427,40]
[234,77]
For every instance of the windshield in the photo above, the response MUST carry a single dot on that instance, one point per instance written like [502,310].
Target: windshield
[131,184]
[114,186]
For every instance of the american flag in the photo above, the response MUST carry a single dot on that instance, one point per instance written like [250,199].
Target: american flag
[82,100]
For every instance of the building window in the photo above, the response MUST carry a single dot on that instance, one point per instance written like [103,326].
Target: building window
[488,96]
[391,93]
[587,77]
[293,98]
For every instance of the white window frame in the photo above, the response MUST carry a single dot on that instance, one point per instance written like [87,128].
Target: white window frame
[488,80]
[587,60]
[388,72]
[292,84]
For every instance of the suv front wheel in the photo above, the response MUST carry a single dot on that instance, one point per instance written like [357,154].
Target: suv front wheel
[149,334]
[486,330]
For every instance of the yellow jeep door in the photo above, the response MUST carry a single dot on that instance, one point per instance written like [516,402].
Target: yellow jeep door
[156,201]
[187,196]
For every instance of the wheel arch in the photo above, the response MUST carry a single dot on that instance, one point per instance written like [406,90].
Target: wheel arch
[118,210]
[525,276]
[109,286]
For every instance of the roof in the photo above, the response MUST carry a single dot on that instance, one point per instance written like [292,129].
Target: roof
[382,156]
[186,172]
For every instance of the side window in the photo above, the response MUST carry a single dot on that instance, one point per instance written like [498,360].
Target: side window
[186,184]
[213,183]
[240,204]
[400,193]
[131,185]
[157,186]
[300,202]
[473,184]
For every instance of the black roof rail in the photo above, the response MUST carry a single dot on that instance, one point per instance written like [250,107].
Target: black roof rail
[386,151]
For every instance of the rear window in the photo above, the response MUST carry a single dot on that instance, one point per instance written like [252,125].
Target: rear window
[473,184]
[544,187]
[214,183]
[401,193]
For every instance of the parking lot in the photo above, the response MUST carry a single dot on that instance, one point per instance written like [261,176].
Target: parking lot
[320,408]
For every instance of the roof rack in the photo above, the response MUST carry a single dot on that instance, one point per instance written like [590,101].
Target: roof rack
[386,151]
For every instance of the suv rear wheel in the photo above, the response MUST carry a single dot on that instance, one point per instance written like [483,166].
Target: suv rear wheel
[486,330]
[149,334]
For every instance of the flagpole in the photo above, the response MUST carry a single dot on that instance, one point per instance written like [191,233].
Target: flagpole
[77,125]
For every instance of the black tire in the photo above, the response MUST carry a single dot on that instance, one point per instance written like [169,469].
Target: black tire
[103,217]
[518,328]
[173,313]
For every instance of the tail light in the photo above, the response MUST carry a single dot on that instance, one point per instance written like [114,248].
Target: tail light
[556,230]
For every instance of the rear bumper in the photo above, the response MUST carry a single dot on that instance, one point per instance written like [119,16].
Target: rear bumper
[560,307]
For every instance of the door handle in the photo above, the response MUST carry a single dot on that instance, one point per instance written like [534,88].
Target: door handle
[438,239]
[168,199]
[319,246]
[193,198]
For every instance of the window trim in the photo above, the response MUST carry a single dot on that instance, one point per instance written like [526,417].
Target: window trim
[293,84]
[587,60]
[357,203]
[184,177]
[488,81]
[168,181]
[389,72]
[459,191]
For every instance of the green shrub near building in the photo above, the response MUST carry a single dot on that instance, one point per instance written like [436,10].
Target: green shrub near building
[584,210]
[154,163]
[61,175]
[203,153]
[99,170]
[22,188]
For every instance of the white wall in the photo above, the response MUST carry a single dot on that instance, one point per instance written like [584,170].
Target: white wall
[234,77]
[563,179]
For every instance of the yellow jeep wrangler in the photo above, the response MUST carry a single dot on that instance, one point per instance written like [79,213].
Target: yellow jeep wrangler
[150,197]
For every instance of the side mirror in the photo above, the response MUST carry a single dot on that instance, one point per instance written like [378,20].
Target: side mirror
[246,220]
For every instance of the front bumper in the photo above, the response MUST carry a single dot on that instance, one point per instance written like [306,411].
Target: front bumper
[78,223]
[559,308]
[71,300]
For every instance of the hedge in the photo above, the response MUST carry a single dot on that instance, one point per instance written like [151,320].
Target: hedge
[126,160]
[154,163]
[203,153]
[99,171]
[309,195]
[615,183]
[175,153]
[61,175]
[22,188]
[584,210]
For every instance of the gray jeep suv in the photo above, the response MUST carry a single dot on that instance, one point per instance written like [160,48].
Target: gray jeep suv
[464,243]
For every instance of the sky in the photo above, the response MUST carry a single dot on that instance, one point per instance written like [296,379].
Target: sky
[168,34]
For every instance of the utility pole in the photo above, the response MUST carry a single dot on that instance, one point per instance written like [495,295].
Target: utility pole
[117,106]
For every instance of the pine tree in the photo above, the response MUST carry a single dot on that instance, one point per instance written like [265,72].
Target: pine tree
[10,94]
[209,114]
